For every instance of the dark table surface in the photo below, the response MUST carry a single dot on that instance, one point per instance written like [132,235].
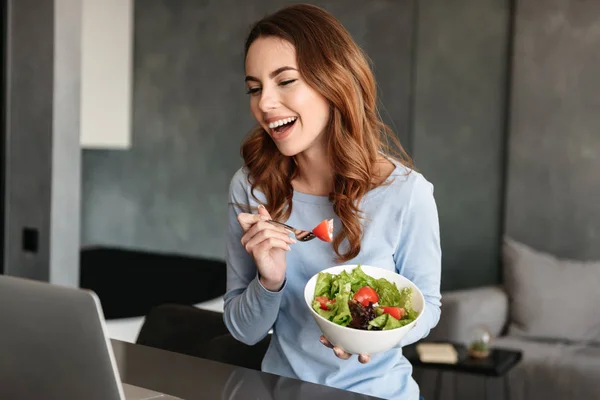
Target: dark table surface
[196,378]
[498,363]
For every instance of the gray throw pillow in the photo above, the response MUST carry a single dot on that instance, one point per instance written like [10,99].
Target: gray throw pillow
[549,297]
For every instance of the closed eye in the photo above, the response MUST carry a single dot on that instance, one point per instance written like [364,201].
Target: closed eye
[255,90]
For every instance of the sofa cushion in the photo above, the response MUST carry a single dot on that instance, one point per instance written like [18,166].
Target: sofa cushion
[465,310]
[549,297]
[553,370]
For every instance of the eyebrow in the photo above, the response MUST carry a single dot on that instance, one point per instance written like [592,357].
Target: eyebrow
[272,74]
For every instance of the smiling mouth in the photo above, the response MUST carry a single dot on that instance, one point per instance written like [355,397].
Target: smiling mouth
[282,126]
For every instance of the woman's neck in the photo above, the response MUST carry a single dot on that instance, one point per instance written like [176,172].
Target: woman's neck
[315,174]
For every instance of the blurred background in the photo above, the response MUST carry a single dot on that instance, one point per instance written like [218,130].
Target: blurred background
[122,122]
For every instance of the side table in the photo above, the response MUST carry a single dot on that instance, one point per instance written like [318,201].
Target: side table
[496,365]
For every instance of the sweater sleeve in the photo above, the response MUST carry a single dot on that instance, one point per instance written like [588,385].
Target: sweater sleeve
[419,255]
[250,310]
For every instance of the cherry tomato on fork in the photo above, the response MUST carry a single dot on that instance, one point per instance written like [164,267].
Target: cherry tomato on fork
[324,230]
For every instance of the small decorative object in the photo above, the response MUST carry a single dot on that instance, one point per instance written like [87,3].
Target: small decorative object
[480,342]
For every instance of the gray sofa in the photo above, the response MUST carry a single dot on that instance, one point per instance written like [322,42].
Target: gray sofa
[549,308]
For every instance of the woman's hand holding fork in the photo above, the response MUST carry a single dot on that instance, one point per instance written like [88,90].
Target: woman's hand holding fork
[267,244]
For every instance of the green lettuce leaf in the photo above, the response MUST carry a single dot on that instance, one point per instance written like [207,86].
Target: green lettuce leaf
[379,322]
[388,293]
[387,322]
[406,303]
[342,311]
[359,279]
[323,285]
[393,323]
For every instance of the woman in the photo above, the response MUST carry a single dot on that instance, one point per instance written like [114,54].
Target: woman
[317,153]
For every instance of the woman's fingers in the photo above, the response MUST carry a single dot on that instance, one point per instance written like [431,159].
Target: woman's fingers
[362,358]
[262,226]
[325,342]
[263,211]
[341,353]
[337,350]
[262,231]
[268,244]
[246,220]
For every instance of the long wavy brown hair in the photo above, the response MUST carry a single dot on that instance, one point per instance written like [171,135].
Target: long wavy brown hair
[333,65]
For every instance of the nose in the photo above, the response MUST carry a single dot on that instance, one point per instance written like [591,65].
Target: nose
[268,100]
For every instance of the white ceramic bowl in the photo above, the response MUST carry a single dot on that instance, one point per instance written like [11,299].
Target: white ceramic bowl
[357,341]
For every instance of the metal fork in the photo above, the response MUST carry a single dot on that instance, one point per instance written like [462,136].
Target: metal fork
[301,235]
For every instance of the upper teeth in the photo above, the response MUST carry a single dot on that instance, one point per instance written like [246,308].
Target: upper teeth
[275,124]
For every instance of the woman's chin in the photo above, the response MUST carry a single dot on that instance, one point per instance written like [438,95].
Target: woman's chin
[287,150]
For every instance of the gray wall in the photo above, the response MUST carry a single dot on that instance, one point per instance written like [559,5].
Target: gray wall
[460,90]
[554,160]
[169,192]
[42,166]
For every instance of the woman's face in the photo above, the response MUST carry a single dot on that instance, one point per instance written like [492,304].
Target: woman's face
[292,113]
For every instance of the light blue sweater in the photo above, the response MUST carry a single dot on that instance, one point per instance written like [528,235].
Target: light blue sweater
[401,234]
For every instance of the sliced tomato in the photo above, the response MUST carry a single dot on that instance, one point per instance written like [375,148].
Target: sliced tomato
[396,312]
[366,295]
[324,230]
[324,301]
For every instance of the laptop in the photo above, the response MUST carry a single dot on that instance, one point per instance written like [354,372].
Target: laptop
[53,345]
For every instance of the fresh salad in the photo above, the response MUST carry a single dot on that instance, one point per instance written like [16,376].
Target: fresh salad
[359,301]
